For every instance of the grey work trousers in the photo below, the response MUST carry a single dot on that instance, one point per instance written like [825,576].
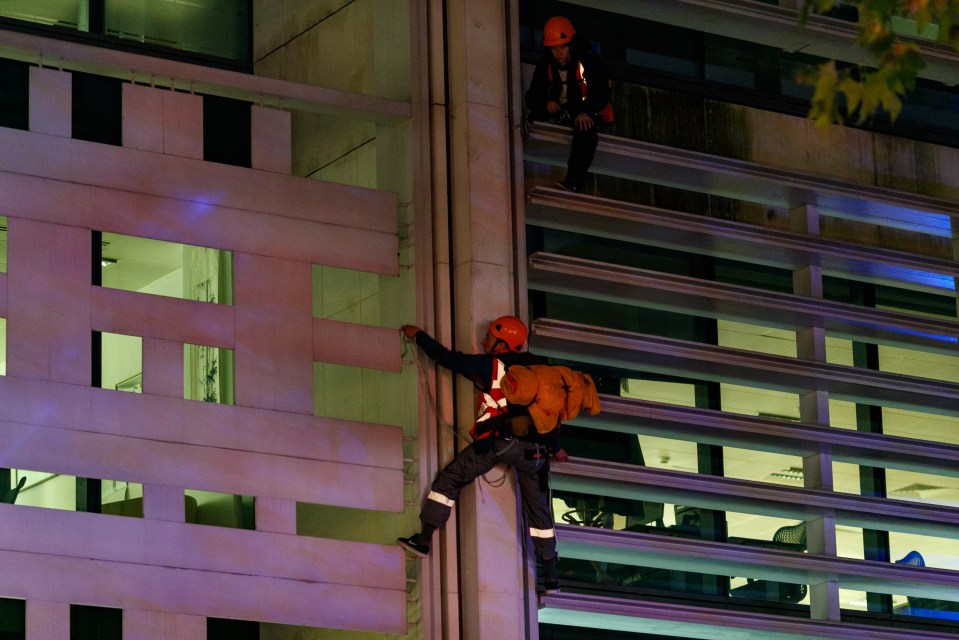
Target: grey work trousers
[531,462]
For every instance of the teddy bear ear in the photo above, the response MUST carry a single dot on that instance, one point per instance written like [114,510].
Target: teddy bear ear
[591,396]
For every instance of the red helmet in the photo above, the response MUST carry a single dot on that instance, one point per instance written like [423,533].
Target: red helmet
[510,330]
[558,30]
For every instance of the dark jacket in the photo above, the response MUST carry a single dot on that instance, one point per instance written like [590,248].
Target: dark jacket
[478,369]
[543,89]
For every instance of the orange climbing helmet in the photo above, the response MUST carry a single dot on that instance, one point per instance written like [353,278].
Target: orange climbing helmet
[510,330]
[558,30]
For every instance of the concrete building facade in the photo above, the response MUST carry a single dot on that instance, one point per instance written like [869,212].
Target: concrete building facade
[216,217]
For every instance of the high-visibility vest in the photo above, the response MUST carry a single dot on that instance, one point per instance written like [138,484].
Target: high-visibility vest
[606,113]
[493,402]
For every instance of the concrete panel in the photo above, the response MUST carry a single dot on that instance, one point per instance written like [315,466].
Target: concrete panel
[84,454]
[182,124]
[204,184]
[271,145]
[203,424]
[791,143]
[278,516]
[48,620]
[48,329]
[177,568]
[142,118]
[163,367]
[276,24]
[163,503]
[51,102]
[156,625]
[357,345]
[273,364]
[176,220]
[490,220]
[479,68]
[152,316]
[84,450]
[204,548]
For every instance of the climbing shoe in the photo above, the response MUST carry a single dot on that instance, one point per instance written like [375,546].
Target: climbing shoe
[413,545]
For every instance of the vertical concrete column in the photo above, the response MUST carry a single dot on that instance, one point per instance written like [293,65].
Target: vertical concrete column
[163,503]
[491,562]
[49,330]
[182,124]
[814,409]
[162,367]
[163,121]
[278,516]
[51,102]
[270,144]
[159,625]
[274,333]
[142,118]
[47,620]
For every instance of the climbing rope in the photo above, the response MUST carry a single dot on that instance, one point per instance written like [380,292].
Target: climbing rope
[408,356]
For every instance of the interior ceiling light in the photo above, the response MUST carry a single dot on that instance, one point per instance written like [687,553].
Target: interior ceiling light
[792,473]
[106,262]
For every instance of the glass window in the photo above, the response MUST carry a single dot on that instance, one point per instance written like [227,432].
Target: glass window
[750,337]
[97,109]
[208,374]
[14,93]
[223,629]
[3,244]
[208,371]
[57,491]
[71,14]
[3,346]
[226,131]
[13,616]
[121,362]
[729,62]
[218,28]
[211,28]
[922,426]
[764,403]
[918,363]
[926,551]
[166,268]
[220,509]
[922,487]
[95,623]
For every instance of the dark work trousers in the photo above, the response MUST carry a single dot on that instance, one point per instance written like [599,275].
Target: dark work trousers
[532,476]
[582,150]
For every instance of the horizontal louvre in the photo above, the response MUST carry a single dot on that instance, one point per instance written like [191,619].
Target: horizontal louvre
[679,487]
[736,240]
[681,294]
[669,356]
[639,615]
[748,181]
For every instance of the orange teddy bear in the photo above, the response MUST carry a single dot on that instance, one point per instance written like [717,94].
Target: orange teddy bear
[553,393]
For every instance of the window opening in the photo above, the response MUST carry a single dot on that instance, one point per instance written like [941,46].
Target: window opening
[164,268]
[95,623]
[223,510]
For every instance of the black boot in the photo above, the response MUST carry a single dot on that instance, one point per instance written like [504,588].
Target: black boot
[415,545]
[550,583]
